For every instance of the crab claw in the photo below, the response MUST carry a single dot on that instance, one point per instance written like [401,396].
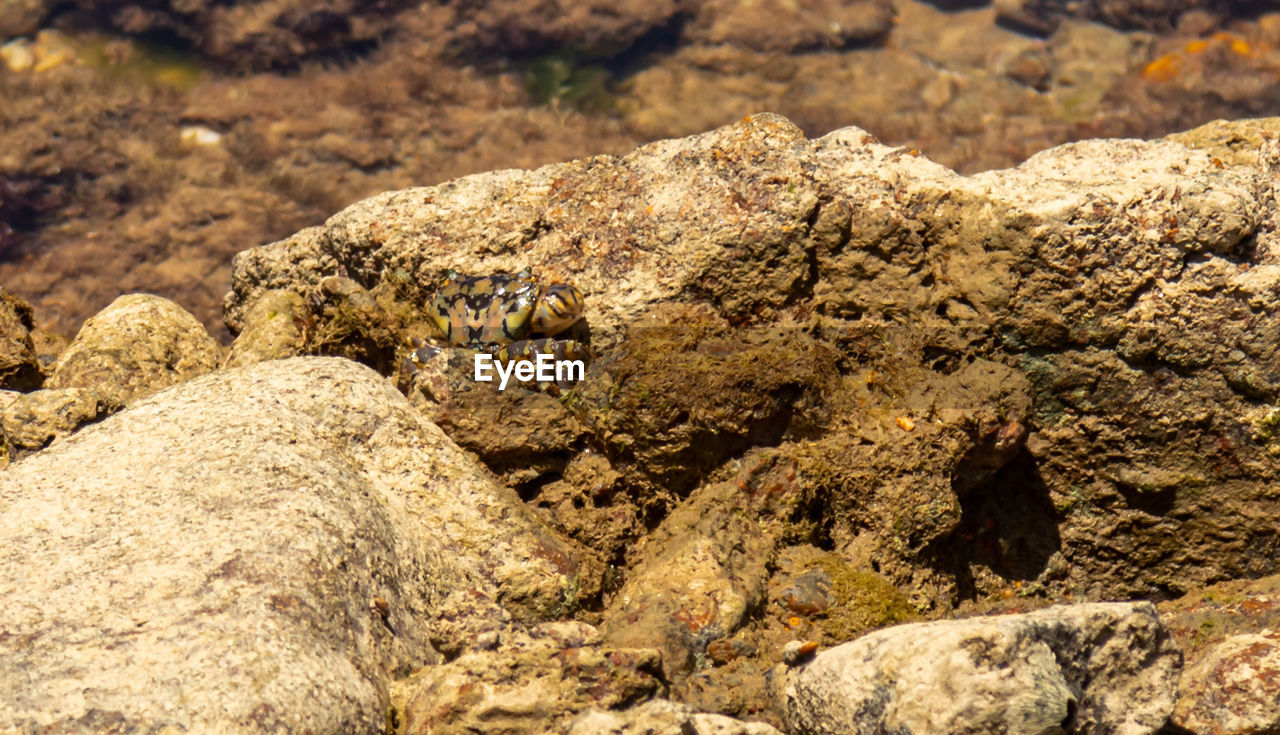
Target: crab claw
[559,308]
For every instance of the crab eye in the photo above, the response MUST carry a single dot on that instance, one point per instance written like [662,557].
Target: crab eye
[560,306]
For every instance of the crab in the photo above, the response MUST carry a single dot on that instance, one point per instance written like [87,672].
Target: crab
[510,316]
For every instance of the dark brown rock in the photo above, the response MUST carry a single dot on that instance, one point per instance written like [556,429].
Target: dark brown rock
[19,363]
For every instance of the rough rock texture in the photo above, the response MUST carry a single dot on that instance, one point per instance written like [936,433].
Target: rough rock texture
[1131,282]
[1227,631]
[32,420]
[259,549]
[1092,668]
[526,681]
[662,717]
[1233,688]
[19,363]
[278,320]
[133,348]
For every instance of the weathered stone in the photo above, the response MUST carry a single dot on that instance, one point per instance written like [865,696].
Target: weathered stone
[1092,668]
[1227,632]
[32,420]
[275,332]
[662,717]
[632,251]
[133,348]
[19,364]
[260,549]
[532,682]
[1233,688]
[1132,282]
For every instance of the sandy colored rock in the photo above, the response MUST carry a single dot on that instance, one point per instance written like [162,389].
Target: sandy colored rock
[1092,668]
[1131,282]
[532,682]
[1233,688]
[182,606]
[582,222]
[133,348]
[663,717]
[19,361]
[1227,632]
[276,332]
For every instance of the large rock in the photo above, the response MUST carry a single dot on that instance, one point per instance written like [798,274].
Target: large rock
[133,348]
[1092,668]
[1132,282]
[257,550]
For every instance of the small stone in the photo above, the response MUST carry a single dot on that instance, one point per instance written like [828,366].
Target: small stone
[198,136]
[17,55]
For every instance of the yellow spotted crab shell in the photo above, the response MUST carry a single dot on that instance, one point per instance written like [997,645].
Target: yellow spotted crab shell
[499,309]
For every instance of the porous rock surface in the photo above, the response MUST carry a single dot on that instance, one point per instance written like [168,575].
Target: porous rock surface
[136,346]
[1231,681]
[257,550]
[663,717]
[1132,283]
[19,364]
[1090,668]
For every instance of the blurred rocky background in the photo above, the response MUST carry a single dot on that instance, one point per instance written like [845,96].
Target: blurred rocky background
[142,144]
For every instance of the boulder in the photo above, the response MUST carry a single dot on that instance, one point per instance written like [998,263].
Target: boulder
[133,348]
[1131,283]
[1090,668]
[32,420]
[277,332]
[261,549]
[1233,688]
[1227,632]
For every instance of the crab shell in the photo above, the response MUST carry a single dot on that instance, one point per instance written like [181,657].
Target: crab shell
[500,309]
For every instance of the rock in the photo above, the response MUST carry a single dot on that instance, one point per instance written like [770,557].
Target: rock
[21,17]
[640,250]
[1227,632]
[1233,688]
[136,346]
[293,522]
[32,420]
[276,330]
[789,26]
[682,396]
[1150,15]
[663,717]
[254,35]
[593,29]
[531,683]
[1091,668]
[1131,283]
[19,363]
